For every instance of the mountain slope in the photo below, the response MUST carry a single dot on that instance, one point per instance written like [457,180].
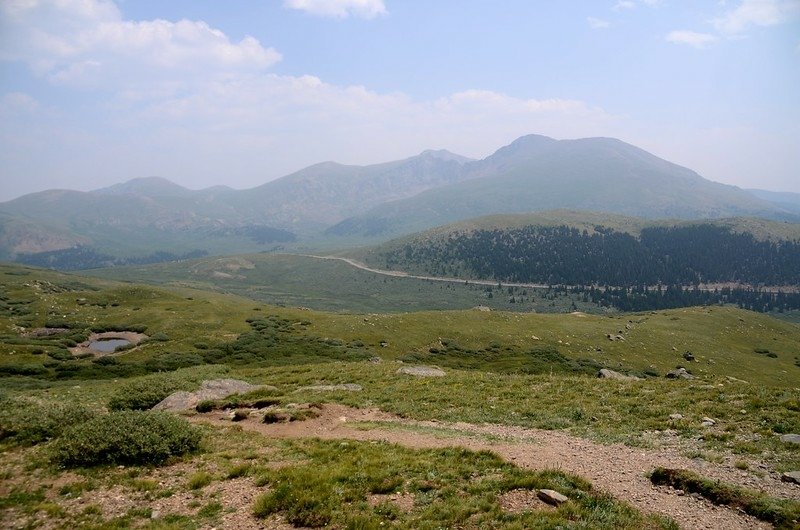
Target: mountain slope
[537,173]
[152,214]
[576,248]
[782,199]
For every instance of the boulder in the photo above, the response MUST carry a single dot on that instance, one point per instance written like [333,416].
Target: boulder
[679,373]
[209,390]
[791,438]
[605,373]
[180,400]
[422,371]
[222,388]
[793,477]
[551,497]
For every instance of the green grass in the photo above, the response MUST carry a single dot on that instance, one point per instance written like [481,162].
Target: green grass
[450,487]
[531,370]
[782,513]
[328,285]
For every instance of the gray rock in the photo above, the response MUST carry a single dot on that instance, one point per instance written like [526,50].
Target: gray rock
[212,389]
[679,373]
[688,356]
[605,373]
[676,417]
[791,438]
[551,497]
[793,477]
[422,371]
[180,400]
[709,421]
[350,387]
[222,388]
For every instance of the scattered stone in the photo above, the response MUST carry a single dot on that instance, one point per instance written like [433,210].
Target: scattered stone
[676,417]
[688,356]
[679,373]
[534,337]
[791,438]
[422,371]
[605,373]
[706,419]
[612,337]
[375,360]
[384,344]
[552,497]
[792,477]
[350,387]
[708,422]
[482,308]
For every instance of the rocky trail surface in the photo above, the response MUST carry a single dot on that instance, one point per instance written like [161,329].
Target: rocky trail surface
[616,469]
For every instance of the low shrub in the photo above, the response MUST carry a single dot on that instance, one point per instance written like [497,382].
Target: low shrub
[144,393]
[60,355]
[28,422]
[126,437]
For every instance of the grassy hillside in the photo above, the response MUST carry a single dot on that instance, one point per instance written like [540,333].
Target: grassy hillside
[528,370]
[723,340]
[329,285]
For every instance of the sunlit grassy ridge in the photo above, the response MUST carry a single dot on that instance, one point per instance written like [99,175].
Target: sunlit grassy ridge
[725,341]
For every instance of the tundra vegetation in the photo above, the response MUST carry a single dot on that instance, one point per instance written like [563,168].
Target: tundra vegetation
[76,431]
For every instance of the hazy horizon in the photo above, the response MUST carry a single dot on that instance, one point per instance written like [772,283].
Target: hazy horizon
[96,92]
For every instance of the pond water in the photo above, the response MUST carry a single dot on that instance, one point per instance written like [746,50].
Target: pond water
[107,345]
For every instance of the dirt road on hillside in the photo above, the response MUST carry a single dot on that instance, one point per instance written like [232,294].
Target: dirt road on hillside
[617,469]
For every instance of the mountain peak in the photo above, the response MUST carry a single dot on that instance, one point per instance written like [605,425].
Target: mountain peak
[444,154]
[147,186]
[524,146]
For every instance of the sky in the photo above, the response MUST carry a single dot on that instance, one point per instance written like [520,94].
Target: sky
[240,92]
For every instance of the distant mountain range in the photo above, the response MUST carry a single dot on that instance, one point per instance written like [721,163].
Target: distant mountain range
[538,173]
[334,204]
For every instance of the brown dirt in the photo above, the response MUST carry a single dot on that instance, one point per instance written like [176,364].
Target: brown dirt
[616,469]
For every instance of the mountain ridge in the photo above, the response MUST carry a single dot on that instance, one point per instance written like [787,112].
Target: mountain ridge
[336,204]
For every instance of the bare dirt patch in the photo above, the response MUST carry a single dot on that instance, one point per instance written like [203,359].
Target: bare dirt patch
[617,469]
[519,501]
[403,501]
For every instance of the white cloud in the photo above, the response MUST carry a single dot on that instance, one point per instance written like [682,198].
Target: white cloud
[18,103]
[596,23]
[181,100]
[87,43]
[697,40]
[339,8]
[756,13]
[624,4]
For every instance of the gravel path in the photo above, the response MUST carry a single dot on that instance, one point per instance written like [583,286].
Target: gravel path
[617,469]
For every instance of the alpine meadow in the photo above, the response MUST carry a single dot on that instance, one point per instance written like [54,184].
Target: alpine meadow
[371,264]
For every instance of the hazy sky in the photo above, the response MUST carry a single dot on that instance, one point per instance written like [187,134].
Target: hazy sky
[238,92]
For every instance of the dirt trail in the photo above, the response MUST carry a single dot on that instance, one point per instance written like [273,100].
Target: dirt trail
[617,469]
[401,274]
